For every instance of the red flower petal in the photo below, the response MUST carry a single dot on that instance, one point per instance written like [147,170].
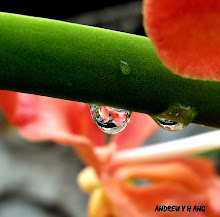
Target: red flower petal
[138,130]
[45,118]
[22,114]
[186,35]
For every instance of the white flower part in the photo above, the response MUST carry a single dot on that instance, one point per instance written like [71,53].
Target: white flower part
[169,150]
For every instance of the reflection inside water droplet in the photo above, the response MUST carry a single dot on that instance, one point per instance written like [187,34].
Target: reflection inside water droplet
[110,120]
[170,125]
[125,68]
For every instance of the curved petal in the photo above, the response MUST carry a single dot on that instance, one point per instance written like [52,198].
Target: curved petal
[45,118]
[178,171]
[140,202]
[175,182]
[167,172]
[140,128]
[186,35]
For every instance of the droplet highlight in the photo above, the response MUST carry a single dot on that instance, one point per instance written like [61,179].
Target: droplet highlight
[176,117]
[110,120]
[125,68]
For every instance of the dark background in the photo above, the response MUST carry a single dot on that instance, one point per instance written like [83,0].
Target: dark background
[118,12]
[57,9]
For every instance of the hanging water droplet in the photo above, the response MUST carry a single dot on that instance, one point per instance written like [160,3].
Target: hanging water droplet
[176,117]
[110,120]
[125,68]
[169,125]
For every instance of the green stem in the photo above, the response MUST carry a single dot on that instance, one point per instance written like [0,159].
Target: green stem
[94,65]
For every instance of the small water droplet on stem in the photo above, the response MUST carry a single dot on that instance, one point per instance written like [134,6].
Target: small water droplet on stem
[125,68]
[176,117]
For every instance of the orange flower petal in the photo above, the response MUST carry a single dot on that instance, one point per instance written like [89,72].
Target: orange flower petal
[45,118]
[200,171]
[132,201]
[175,182]
[186,35]
[138,130]
[18,115]
[214,193]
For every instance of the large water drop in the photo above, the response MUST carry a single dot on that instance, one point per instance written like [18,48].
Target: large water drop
[110,120]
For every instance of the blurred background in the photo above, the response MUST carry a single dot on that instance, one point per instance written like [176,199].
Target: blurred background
[39,179]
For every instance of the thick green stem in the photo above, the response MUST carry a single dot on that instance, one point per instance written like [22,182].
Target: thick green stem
[94,65]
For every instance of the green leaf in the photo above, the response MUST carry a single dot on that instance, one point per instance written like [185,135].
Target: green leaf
[94,65]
